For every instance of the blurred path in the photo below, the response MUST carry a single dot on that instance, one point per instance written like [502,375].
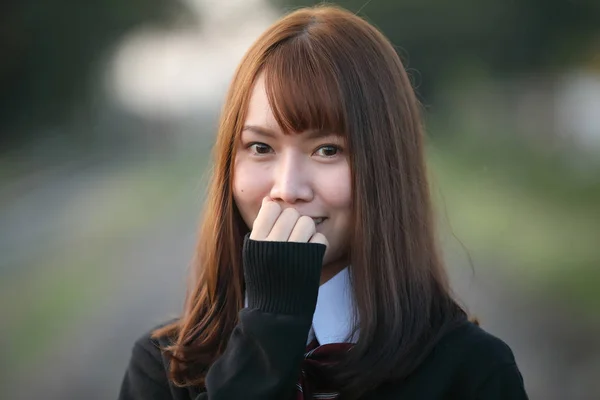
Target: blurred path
[92,358]
[146,284]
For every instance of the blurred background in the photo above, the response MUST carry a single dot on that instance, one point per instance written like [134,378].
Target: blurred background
[108,111]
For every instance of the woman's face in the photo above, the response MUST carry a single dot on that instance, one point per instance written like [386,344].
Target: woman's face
[308,171]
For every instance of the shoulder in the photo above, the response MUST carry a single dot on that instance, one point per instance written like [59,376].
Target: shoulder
[147,347]
[481,362]
[146,373]
[477,346]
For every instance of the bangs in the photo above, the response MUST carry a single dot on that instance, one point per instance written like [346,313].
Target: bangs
[303,90]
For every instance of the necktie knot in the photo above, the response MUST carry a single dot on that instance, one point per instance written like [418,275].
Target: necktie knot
[314,382]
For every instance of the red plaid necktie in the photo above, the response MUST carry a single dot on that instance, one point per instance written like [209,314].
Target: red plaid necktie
[312,383]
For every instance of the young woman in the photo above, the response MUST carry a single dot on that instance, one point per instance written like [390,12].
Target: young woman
[317,275]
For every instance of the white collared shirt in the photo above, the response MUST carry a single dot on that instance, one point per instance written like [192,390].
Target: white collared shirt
[332,321]
[333,317]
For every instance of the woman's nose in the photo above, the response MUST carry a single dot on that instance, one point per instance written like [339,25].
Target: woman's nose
[291,181]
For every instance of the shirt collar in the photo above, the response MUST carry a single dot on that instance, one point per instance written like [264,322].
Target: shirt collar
[333,317]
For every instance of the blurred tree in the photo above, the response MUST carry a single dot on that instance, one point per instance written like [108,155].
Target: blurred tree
[47,50]
[437,38]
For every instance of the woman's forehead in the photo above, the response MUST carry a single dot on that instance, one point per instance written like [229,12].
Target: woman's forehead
[259,111]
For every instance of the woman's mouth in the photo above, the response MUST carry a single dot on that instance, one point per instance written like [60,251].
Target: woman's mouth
[319,220]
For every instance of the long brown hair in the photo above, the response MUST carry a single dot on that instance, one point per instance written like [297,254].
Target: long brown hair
[326,68]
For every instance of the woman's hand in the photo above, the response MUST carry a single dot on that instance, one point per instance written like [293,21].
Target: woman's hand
[276,225]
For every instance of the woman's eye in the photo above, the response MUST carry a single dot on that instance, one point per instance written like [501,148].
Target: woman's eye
[328,151]
[260,148]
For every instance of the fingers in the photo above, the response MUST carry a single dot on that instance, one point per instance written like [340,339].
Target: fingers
[275,225]
[284,225]
[303,230]
[266,218]
[319,238]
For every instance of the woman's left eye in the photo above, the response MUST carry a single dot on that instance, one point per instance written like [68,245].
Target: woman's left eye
[328,151]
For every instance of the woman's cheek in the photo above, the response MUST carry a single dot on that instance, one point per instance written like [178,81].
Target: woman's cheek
[250,185]
[336,186]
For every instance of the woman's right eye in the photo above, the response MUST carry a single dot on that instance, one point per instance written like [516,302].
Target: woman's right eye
[260,148]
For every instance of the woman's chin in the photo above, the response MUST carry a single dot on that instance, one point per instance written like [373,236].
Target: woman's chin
[331,269]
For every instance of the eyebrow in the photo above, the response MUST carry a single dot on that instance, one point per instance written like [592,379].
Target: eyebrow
[311,134]
[259,130]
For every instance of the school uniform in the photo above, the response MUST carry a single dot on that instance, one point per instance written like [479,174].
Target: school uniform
[292,326]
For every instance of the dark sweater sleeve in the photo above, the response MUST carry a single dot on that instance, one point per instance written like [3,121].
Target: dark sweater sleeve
[263,355]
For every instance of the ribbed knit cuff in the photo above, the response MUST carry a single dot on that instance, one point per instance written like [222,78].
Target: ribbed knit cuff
[282,277]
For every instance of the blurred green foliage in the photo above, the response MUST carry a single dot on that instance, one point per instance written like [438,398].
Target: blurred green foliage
[49,50]
[530,214]
[438,38]
[72,272]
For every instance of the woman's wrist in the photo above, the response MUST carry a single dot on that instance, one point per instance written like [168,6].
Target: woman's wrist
[282,277]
